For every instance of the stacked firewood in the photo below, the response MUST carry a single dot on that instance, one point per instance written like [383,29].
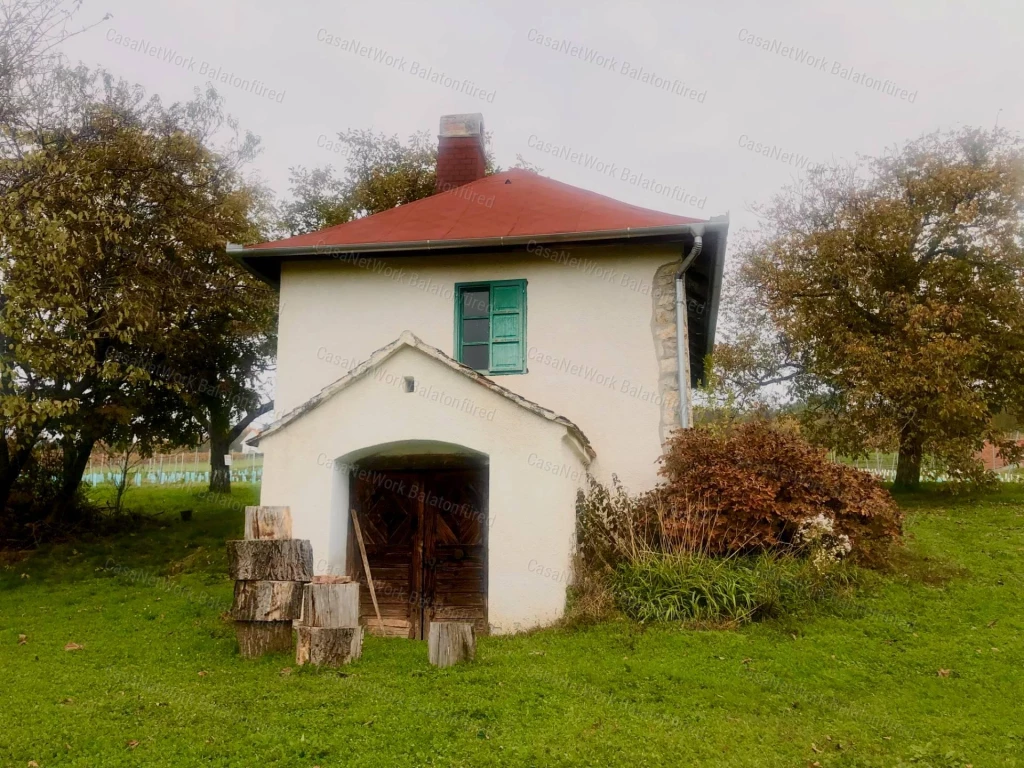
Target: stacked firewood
[329,633]
[270,569]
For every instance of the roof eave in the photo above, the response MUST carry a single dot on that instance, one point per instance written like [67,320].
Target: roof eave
[720,224]
[248,256]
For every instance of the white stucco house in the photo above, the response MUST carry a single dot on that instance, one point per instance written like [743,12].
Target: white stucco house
[451,370]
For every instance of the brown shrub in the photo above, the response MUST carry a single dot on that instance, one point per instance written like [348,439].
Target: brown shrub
[749,487]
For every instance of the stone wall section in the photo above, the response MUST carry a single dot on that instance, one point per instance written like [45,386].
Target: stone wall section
[663,328]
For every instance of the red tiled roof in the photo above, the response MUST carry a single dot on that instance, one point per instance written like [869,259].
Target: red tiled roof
[512,203]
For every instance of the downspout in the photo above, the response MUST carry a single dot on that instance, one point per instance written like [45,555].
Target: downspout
[682,354]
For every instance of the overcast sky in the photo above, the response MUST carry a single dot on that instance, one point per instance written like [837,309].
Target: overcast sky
[794,77]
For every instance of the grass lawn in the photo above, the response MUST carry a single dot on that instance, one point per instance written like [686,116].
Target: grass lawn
[158,682]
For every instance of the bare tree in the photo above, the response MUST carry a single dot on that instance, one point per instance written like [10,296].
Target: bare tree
[32,65]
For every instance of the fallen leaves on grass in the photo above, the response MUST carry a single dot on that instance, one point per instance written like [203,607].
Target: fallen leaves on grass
[133,744]
[945,672]
[203,673]
[22,639]
[286,671]
[73,647]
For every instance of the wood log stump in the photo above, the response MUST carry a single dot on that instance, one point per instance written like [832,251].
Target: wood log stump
[267,600]
[450,642]
[330,605]
[328,646]
[270,560]
[330,578]
[256,638]
[268,523]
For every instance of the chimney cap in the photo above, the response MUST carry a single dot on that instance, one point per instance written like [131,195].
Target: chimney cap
[470,124]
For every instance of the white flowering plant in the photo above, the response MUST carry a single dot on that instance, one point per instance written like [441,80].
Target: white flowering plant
[818,537]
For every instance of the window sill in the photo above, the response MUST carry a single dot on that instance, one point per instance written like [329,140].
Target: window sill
[489,374]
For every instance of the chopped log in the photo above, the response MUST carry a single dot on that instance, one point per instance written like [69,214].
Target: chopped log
[330,578]
[264,560]
[330,605]
[256,638]
[268,523]
[267,600]
[328,646]
[450,642]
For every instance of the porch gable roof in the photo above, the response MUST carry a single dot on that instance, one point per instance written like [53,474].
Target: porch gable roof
[409,339]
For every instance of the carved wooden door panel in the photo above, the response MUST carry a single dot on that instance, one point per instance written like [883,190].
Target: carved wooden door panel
[391,525]
[426,543]
[455,548]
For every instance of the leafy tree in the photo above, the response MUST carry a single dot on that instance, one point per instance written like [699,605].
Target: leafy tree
[888,298]
[31,74]
[318,201]
[523,164]
[381,173]
[111,236]
[148,294]
[232,346]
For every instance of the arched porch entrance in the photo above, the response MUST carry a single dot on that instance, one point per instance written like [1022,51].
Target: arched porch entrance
[422,509]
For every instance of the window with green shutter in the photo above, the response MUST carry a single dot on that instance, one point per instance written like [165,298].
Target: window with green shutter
[490,326]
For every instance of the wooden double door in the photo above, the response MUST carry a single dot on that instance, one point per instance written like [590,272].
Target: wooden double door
[425,531]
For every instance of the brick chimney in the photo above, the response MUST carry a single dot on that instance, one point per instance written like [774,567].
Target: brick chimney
[460,151]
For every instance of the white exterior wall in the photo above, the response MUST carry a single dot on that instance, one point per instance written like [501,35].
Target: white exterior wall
[595,315]
[530,510]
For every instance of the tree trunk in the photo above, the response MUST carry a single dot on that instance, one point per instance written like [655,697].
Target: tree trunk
[222,435]
[11,466]
[908,464]
[220,444]
[76,459]
[8,477]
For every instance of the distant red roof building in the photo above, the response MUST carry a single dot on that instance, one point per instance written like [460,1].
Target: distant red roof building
[991,458]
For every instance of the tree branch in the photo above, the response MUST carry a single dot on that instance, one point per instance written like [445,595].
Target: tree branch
[249,419]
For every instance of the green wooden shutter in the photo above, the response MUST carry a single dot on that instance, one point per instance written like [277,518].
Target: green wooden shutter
[490,329]
[508,318]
